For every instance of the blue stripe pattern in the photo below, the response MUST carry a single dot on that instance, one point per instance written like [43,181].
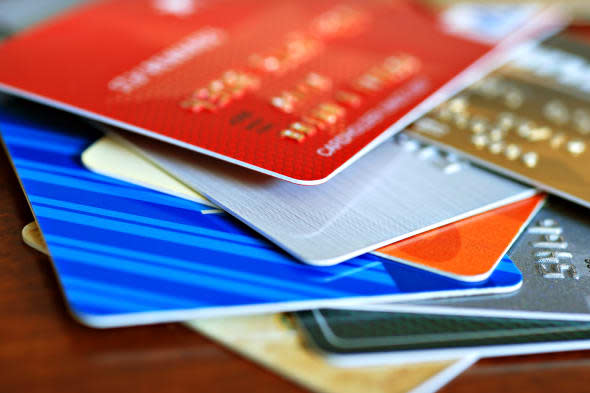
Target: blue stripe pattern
[125,250]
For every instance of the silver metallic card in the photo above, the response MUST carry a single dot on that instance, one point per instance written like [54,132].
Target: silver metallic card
[402,188]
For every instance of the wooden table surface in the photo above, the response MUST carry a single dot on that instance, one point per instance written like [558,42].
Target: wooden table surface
[44,350]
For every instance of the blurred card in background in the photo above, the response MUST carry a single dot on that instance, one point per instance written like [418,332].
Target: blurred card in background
[466,250]
[258,83]
[128,255]
[16,15]
[33,237]
[530,120]
[578,10]
[351,338]
[401,189]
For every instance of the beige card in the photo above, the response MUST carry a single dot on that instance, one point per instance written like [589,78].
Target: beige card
[33,238]
[125,165]
[271,341]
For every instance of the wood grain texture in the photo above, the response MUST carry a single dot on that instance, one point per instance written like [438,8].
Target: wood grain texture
[44,350]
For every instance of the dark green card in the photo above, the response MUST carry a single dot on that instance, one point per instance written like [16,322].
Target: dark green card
[347,334]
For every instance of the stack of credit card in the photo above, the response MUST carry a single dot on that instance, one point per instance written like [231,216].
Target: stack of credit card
[410,182]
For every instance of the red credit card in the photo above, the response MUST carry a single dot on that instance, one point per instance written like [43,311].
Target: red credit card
[295,89]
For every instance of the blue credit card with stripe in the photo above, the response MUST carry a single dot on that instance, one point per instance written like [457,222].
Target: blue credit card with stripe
[126,255]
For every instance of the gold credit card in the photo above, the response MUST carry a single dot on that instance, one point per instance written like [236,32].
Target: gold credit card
[529,120]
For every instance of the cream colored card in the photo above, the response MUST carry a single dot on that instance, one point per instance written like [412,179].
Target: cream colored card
[125,165]
[271,341]
[33,238]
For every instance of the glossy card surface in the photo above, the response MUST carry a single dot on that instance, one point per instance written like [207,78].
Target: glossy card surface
[294,89]
[530,120]
[399,190]
[272,341]
[469,249]
[466,250]
[128,255]
[554,257]
[351,338]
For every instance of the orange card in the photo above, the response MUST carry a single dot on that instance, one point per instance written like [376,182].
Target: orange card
[469,249]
